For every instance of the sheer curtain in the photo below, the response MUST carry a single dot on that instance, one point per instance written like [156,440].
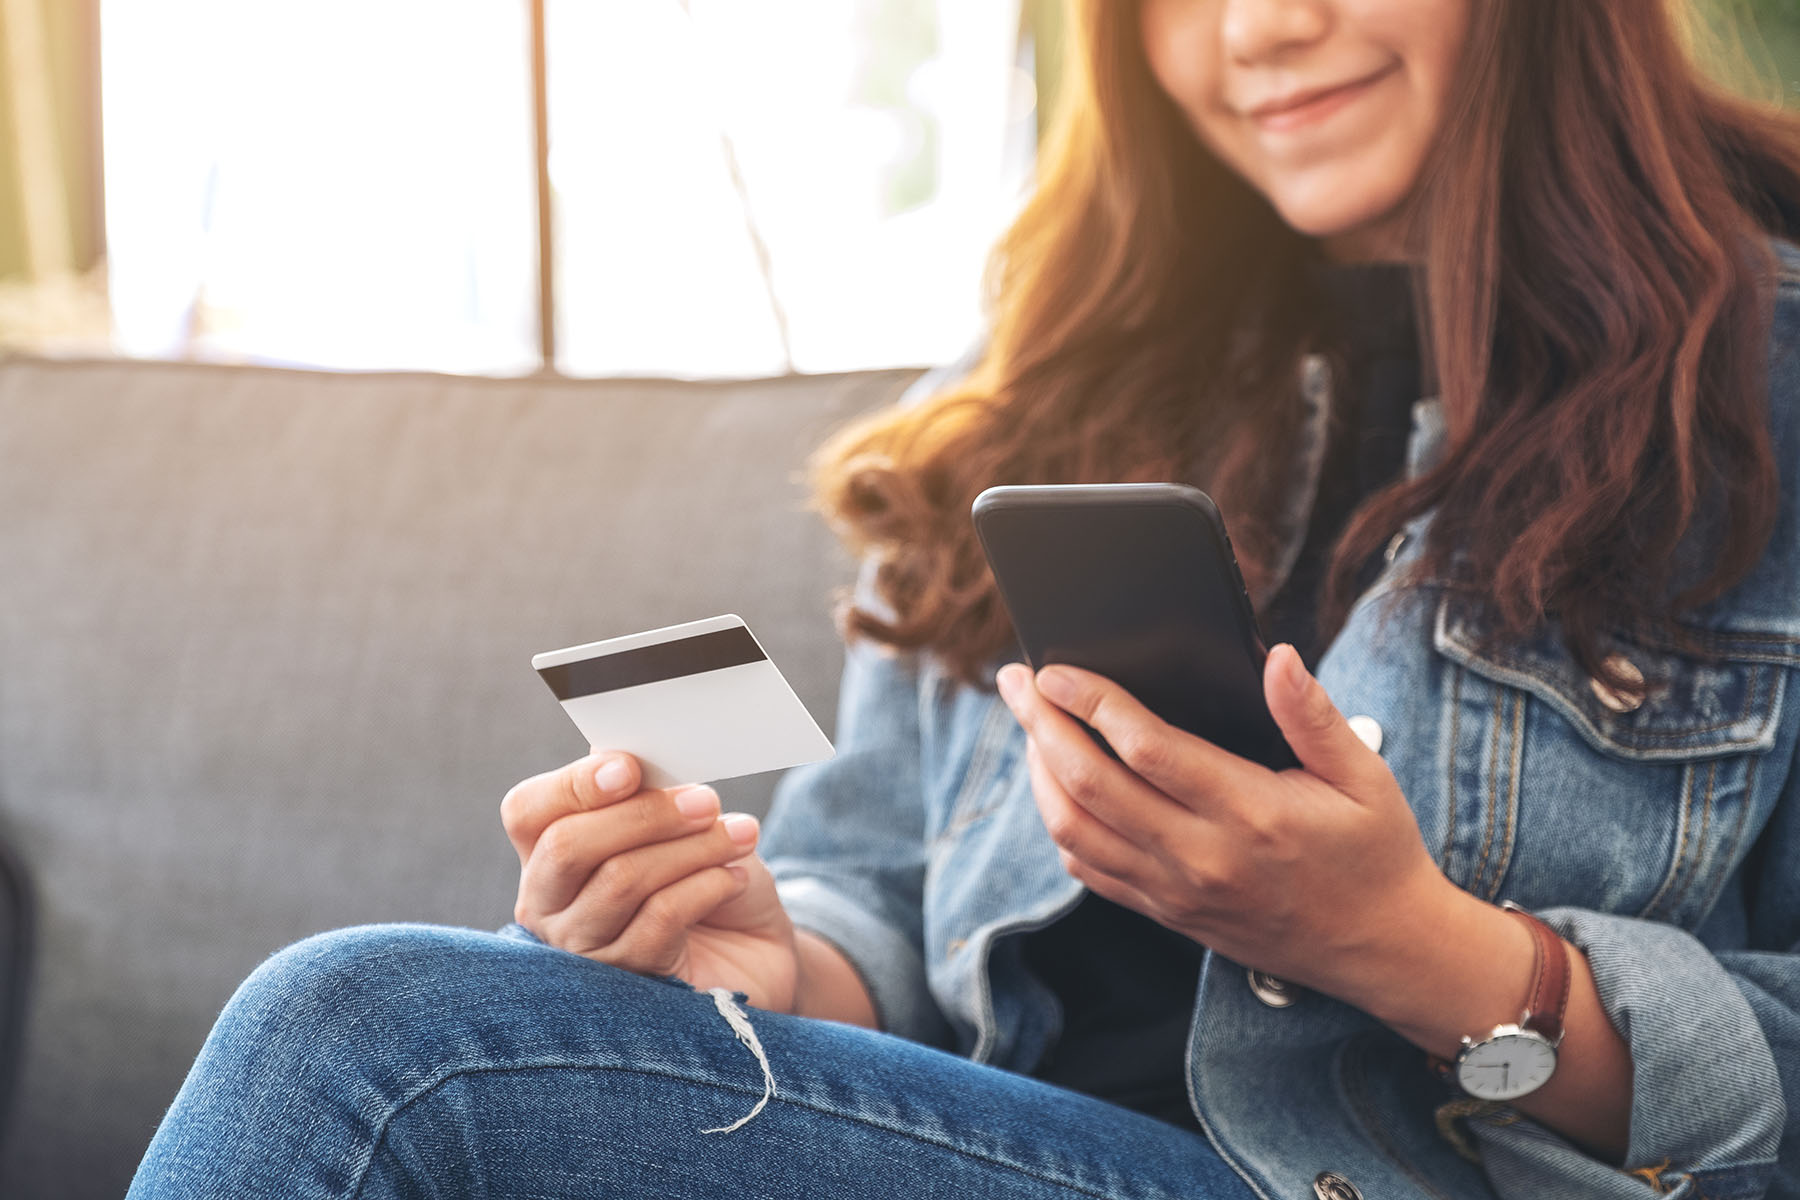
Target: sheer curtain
[50,295]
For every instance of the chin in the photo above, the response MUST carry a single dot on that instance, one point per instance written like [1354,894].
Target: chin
[1330,220]
[1330,209]
[1327,202]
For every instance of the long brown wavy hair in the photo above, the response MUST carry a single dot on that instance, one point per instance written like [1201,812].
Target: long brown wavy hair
[1595,282]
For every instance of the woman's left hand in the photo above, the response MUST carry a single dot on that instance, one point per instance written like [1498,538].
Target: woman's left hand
[1318,874]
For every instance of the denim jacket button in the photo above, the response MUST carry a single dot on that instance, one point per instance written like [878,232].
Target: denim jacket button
[1329,1185]
[1626,701]
[1368,731]
[1276,993]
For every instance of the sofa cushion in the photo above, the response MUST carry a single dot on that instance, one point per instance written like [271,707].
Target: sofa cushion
[265,642]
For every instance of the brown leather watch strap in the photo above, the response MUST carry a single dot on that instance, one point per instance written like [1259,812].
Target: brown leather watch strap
[1548,999]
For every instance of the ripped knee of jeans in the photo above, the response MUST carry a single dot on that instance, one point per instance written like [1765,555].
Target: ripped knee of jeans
[726,1003]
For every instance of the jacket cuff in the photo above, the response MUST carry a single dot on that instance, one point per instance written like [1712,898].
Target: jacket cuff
[890,967]
[1707,1110]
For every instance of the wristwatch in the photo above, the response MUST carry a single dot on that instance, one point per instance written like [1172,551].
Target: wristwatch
[1516,1060]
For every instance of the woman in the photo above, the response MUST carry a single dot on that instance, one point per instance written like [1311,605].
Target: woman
[1562,616]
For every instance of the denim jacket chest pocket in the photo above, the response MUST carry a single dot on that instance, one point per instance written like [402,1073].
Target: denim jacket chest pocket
[1558,791]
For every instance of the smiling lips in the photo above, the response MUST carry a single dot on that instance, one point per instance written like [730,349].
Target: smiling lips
[1310,105]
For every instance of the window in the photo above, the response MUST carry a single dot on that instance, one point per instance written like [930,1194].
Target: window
[338,183]
[739,189]
[814,184]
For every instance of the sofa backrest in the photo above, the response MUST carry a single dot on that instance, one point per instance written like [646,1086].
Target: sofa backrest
[265,642]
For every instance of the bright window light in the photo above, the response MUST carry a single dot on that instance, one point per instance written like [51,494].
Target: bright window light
[741,189]
[806,184]
[336,183]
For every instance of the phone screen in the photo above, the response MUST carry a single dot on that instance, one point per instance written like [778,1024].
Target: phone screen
[1136,582]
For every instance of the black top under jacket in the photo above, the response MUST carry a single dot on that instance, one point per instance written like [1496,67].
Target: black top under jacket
[1125,983]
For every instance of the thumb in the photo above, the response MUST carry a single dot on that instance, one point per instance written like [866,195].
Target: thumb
[1320,737]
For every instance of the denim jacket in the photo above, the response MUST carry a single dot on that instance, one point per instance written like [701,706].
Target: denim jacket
[1663,839]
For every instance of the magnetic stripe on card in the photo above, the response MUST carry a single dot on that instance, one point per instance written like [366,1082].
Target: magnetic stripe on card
[653,664]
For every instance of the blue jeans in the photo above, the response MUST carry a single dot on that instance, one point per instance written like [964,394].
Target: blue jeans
[405,1060]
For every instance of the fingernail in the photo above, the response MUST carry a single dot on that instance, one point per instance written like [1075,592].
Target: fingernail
[697,803]
[1295,671]
[741,827]
[613,776]
[1057,685]
[1008,681]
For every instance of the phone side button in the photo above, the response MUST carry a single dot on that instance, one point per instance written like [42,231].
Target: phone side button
[1276,993]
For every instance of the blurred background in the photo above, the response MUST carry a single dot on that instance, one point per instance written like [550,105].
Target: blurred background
[688,188]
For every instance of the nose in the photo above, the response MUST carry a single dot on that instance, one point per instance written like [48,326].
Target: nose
[1258,31]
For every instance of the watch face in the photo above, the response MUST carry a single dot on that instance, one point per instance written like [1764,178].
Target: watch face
[1512,1062]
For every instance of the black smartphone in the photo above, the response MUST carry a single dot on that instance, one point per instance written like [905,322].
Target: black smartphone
[1137,582]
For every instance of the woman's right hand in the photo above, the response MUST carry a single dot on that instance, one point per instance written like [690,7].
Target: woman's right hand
[653,880]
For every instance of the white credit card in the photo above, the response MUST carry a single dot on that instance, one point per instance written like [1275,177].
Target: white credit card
[694,703]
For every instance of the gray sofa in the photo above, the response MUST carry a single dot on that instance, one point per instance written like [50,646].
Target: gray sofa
[265,643]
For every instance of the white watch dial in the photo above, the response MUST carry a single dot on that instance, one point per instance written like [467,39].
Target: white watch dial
[1511,1062]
